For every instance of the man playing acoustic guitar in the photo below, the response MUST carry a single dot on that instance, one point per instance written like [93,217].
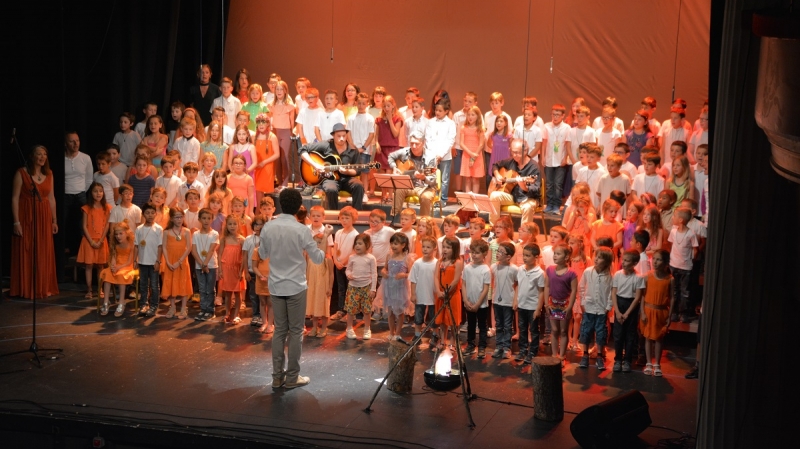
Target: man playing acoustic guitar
[515,181]
[348,177]
[409,161]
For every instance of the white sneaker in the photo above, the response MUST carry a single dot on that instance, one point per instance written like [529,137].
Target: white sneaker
[351,334]
[367,334]
[366,198]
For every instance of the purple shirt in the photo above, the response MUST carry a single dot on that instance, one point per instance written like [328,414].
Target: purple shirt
[560,286]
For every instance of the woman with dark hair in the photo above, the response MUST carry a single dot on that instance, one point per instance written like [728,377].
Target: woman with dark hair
[202,94]
[32,188]
[241,85]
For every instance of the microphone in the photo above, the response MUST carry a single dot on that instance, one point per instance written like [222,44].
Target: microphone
[13,135]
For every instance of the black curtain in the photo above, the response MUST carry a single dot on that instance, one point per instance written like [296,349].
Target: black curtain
[72,65]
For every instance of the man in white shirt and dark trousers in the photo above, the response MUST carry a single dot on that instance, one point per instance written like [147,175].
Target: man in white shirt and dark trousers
[283,241]
[78,176]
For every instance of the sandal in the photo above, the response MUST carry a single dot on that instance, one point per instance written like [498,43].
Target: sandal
[171,312]
[120,310]
[312,333]
[236,320]
[322,334]
[89,295]
[182,315]
[648,369]
[104,310]
[657,371]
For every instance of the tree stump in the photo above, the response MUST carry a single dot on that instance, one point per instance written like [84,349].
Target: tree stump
[548,392]
[401,380]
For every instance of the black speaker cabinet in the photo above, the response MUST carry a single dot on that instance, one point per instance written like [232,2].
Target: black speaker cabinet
[611,422]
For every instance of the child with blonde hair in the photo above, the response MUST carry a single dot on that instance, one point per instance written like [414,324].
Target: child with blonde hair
[120,267]
[472,140]
[320,278]
[579,262]
[395,283]
[230,273]
[425,227]
[362,277]
[559,292]
[595,288]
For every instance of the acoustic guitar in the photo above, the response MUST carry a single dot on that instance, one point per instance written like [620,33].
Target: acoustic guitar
[408,168]
[510,179]
[332,163]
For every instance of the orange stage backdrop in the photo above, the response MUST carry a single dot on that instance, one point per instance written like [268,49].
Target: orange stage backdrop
[598,47]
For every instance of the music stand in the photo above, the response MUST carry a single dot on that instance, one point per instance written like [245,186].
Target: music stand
[393,182]
[476,202]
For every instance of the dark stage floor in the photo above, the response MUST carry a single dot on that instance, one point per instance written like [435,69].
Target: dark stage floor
[187,376]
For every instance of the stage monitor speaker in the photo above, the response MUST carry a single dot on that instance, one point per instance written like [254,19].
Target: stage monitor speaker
[611,422]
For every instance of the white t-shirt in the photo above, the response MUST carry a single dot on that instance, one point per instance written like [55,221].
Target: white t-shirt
[380,243]
[361,126]
[422,275]
[556,137]
[250,243]
[505,276]
[643,183]
[627,284]
[547,256]
[326,120]
[109,182]
[227,135]
[413,125]
[321,230]
[700,177]
[607,141]
[474,278]
[121,171]
[520,121]
[531,136]
[148,239]
[232,106]
[344,243]
[459,117]
[191,219]
[576,167]
[643,267]
[619,125]
[172,185]
[592,177]
[203,243]
[127,143]
[301,104]
[309,118]
[680,256]
[579,136]
[669,135]
[698,227]
[530,281]
[630,170]
[608,184]
[131,215]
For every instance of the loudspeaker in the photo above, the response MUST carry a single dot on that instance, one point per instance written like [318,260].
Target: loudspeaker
[611,422]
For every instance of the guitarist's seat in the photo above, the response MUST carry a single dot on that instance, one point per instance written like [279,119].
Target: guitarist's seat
[414,199]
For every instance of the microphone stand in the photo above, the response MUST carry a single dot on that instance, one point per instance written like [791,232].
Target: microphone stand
[34,348]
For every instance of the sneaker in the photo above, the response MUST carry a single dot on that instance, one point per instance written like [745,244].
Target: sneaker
[527,360]
[497,353]
[277,383]
[470,350]
[481,353]
[376,315]
[255,321]
[366,198]
[584,362]
[601,364]
[626,367]
[367,334]
[521,356]
[200,316]
[308,190]
[351,334]
[300,382]
[506,353]
[617,367]
[151,312]
[692,374]
[144,309]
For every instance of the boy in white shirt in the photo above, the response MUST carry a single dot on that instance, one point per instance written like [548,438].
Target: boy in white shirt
[422,285]
[582,133]
[608,136]
[627,288]
[700,136]
[204,251]
[301,85]
[125,211]
[530,102]
[623,150]
[641,239]
[477,279]
[308,118]
[218,114]
[530,134]
[150,109]
[613,180]
[504,298]
[701,175]
[191,216]
[170,182]
[251,243]
[617,122]
[230,103]
[330,116]
[557,154]
[684,250]
[674,129]
[146,257]
[362,135]
[187,145]
[416,120]
[583,156]
[105,178]
[530,301]
[649,181]
[592,173]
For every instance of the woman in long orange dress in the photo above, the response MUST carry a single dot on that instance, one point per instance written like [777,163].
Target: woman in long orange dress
[448,276]
[37,174]
[177,276]
[267,152]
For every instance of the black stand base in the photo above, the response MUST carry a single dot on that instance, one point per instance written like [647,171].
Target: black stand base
[35,350]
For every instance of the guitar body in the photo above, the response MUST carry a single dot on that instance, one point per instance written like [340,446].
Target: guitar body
[507,187]
[311,176]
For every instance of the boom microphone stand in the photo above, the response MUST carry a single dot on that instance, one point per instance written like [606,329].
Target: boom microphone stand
[34,348]
[466,389]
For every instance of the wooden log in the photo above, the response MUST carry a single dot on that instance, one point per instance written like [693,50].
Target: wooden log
[548,391]
[401,380]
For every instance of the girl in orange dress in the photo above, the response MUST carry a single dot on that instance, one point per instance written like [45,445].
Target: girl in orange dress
[176,274]
[658,302]
[120,269]
[267,152]
[93,251]
[230,273]
[448,269]
[473,142]
[23,204]
[241,184]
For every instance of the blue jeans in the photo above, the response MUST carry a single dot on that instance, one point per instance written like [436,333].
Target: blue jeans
[503,317]
[527,326]
[593,325]
[456,161]
[206,283]
[341,286]
[148,277]
[290,314]
[252,296]
[555,185]
[444,167]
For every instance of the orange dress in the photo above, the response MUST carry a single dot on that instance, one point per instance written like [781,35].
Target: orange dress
[265,176]
[124,276]
[96,219]
[176,282]
[22,254]
[446,276]
[656,307]
[230,264]
[472,140]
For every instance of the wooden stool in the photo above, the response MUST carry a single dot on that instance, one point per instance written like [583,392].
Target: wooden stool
[548,392]
[402,378]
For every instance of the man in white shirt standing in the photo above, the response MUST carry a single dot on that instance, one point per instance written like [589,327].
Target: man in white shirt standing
[283,242]
[440,133]
[78,176]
